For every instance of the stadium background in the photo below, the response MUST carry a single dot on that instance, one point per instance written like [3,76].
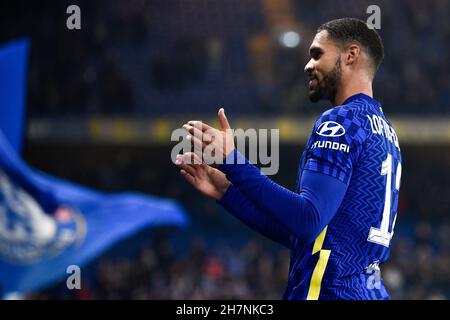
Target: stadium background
[103,101]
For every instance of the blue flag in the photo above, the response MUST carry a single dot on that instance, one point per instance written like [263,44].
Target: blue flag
[13,69]
[47,224]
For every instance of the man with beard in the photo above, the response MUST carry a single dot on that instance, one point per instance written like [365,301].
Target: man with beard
[339,222]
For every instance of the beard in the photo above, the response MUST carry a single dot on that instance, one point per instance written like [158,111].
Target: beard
[327,88]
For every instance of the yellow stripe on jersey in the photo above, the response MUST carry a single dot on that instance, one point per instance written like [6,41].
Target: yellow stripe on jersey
[316,280]
[319,241]
[319,270]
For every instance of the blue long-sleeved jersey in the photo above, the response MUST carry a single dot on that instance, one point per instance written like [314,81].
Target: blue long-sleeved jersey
[341,219]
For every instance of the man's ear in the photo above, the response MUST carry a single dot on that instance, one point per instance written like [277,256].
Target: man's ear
[352,54]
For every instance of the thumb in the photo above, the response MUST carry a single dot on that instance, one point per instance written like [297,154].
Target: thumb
[223,120]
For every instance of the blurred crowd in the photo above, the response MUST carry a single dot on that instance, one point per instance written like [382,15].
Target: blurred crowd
[250,271]
[419,264]
[181,56]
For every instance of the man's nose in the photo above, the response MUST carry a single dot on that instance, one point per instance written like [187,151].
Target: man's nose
[309,67]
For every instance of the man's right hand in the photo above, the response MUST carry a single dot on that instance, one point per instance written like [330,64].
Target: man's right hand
[206,179]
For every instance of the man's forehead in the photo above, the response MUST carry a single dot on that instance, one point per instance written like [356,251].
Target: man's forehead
[321,40]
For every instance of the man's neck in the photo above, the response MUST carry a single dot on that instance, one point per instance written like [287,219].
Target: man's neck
[351,88]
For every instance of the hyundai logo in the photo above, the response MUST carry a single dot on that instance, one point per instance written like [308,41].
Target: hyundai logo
[330,129]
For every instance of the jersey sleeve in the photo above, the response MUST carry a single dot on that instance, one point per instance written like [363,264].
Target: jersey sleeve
[336,143]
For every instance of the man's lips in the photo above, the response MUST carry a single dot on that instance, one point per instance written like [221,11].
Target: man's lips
[312,82]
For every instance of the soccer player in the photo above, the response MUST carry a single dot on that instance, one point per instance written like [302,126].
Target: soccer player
[339,223]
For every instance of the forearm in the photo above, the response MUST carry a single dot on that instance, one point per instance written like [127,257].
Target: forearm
[304,214]
[243,209]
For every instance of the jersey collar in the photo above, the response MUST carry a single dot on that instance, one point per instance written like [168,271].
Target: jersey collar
[370,101]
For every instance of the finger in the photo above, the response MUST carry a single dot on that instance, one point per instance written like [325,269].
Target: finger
[225,125]
[209,170]
[197,133]
[189,168]
[190,158]
[200,125]
[182,159]
[188,177]
[206,167]
[198,144]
